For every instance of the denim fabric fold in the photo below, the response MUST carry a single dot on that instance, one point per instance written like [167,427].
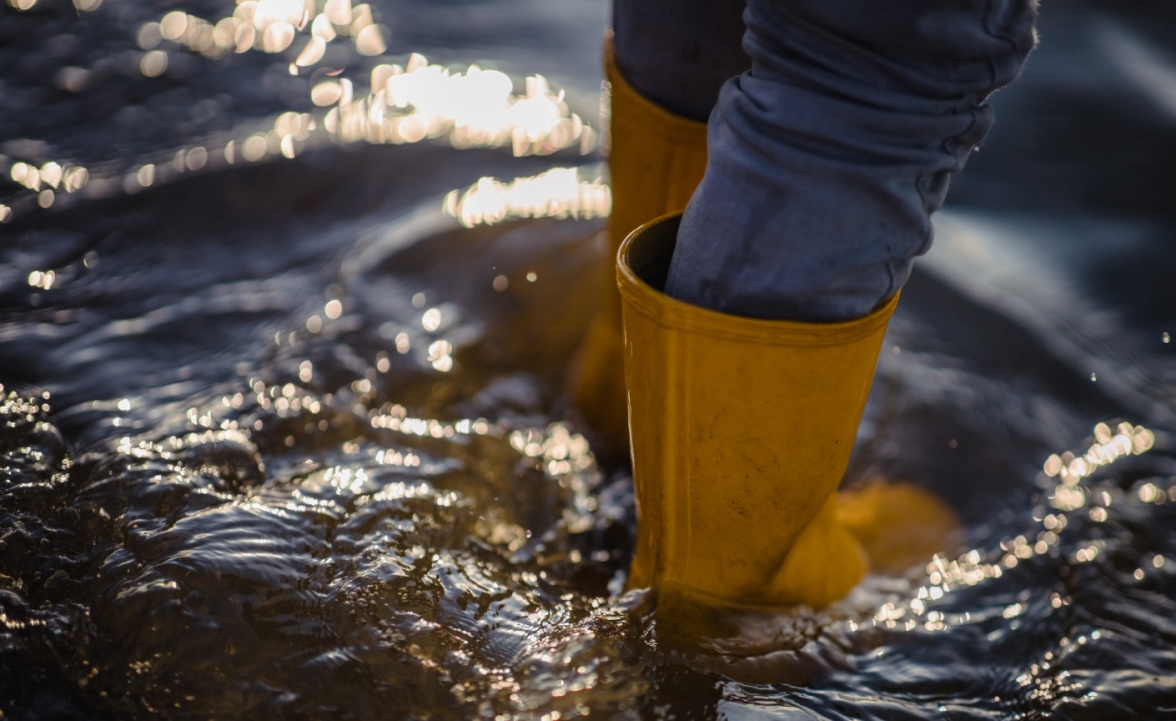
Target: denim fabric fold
[828,157]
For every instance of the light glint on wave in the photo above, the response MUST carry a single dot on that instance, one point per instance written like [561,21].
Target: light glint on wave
[477,108]
[557,193]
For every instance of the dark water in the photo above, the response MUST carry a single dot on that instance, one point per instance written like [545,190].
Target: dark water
[284,439]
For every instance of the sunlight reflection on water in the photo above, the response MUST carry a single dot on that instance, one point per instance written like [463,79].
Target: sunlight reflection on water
[470,108]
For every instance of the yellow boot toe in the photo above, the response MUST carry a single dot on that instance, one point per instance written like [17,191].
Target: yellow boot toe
[898,524]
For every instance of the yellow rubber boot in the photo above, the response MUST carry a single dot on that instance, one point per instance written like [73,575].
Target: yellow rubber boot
[741,430]
[900,525]
[655,161]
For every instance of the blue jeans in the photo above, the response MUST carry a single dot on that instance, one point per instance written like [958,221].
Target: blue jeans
[833,134]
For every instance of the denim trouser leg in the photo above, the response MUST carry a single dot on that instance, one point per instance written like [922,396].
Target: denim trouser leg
[828,157]
[678,53]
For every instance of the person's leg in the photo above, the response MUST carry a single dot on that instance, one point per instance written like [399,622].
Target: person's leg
[665,64]
[678,53]
[748,375]
[828,157]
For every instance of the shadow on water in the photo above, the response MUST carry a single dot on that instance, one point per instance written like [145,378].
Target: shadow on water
[286,439]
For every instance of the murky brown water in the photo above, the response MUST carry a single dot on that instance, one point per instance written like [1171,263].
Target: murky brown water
[284,438]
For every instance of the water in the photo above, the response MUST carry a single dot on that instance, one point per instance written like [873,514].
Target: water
[284,438]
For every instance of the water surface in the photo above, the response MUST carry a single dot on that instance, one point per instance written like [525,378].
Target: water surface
[284,431]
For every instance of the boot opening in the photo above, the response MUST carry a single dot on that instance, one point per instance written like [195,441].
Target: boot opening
[650,255]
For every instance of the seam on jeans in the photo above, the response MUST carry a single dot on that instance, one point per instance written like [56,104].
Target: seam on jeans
[996,36]
[919,181]
[988,28]
[928,228]
[1009,44]
[987,24]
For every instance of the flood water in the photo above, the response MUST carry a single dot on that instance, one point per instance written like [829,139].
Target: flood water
[284,433]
